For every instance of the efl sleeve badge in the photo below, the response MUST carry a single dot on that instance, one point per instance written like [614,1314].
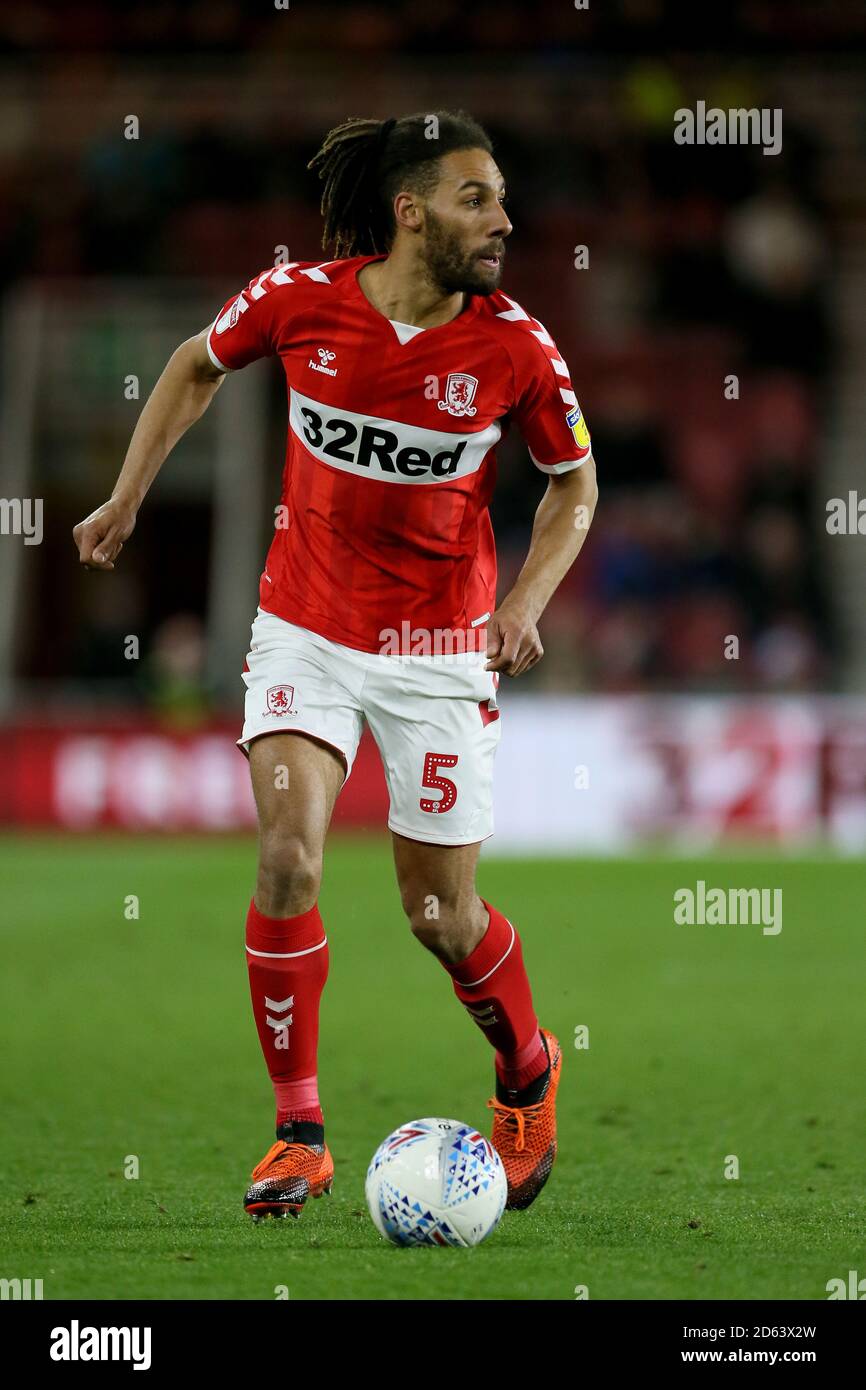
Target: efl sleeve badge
[576,423]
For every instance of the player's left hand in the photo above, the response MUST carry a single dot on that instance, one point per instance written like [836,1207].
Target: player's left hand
[513,643]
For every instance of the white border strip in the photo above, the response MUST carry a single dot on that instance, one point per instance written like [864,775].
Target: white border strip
[221,366]
[559,467]
[472,983]
[285,955]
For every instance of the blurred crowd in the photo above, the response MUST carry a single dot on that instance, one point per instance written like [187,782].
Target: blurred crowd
[703,349]
[227,27]
[696,321]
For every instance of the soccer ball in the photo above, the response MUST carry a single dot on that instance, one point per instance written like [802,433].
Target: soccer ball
[436,1182]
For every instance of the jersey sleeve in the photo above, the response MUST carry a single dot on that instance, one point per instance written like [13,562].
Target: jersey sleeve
[246,327]
[546,409]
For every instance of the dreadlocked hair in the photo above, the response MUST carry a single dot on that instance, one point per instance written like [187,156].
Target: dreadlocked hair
[363,164]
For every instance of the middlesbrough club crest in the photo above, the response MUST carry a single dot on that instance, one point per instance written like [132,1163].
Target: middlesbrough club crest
[280,699]
[460,391]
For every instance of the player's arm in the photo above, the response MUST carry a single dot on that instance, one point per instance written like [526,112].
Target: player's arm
[561,524]
[180,397]
[548,415]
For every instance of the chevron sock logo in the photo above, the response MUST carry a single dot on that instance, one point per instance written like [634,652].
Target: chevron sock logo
[483,1014]
[279,1025]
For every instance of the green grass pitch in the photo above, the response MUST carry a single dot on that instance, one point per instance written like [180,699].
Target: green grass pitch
[134,1037]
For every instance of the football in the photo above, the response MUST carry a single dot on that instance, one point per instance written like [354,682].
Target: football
[436,1182]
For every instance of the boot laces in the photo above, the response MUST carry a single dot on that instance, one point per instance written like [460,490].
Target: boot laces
[274,1152]
[520,1115]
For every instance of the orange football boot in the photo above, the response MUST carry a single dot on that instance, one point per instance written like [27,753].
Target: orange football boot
[298,1166]
[525,1136]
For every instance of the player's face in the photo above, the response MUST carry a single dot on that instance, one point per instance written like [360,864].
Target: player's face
[465,225]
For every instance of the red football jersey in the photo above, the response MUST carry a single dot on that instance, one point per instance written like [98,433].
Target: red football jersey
[383,529]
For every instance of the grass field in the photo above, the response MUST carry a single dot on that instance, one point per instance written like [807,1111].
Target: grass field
[125,1037]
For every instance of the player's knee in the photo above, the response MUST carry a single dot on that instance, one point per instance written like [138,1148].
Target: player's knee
[290,873]
[421,910]
[438,920]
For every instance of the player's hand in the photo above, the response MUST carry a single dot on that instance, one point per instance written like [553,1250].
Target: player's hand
[513,643]
[100,536]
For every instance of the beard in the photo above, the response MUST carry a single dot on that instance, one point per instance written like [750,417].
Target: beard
[453,269]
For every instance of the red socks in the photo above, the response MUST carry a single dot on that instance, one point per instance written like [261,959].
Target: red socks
[287,959]
[492,983]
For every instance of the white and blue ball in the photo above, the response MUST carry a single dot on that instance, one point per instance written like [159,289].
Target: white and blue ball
[436,1182]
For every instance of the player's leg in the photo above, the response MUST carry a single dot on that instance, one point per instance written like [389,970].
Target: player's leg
[437,889]
[301,733]
[483,954]
[295,783]
[481,951]
[437,726]
[479,948]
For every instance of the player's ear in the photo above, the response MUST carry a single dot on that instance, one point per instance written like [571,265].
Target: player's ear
[407,212]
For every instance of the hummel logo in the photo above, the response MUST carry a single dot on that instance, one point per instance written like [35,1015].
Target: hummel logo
[280,1025]
[484,1015]
[325,356]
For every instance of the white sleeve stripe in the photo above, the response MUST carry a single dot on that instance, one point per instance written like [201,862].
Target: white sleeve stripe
[565,467]
[212,355]
[542,335]
[259,289]
[568,396]
[515,313]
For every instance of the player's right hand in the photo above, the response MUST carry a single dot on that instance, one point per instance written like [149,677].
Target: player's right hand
[100,536]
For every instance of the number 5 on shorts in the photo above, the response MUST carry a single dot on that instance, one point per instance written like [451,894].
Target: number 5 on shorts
[431,778]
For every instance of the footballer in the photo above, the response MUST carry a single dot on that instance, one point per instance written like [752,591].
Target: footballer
[404,363]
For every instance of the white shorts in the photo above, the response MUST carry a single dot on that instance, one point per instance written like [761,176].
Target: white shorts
[435,721]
